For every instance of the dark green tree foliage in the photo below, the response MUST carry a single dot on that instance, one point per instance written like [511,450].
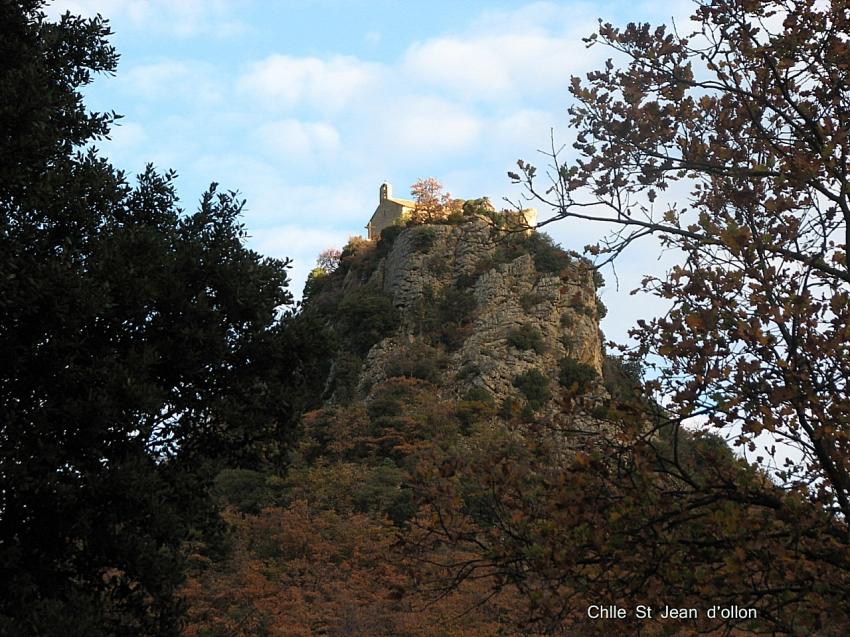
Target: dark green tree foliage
[446,316]
[535,387]
[42,117]
[140,347]
[418,360]
[367,316]
[575,375]
[548,256]
[314,284]
[246,490]
[622,377]
[346,320]
[388,237]
[526,338]
[423,239]
[455,313]
[480,206]
[359,457]
[477,405]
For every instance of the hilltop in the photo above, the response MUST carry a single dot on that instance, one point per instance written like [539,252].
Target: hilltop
[442,338]
[468,304]
[436,442]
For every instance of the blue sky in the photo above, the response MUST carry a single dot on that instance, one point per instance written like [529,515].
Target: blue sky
[306,107]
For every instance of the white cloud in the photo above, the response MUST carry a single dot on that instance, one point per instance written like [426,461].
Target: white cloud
[418,127]
[307,139]
[520,127]
[195,81]
[535,17]
[579,16]
[126,137]
[182,18]
[530,50]
[286,81]
[298,240]
[278,195]
[294,140]
[507,55]
[470,68]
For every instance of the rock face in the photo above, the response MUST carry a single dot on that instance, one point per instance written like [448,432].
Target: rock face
[434,256]
[515,299]
[522,319]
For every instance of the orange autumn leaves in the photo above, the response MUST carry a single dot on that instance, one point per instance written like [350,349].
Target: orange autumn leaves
[326,559]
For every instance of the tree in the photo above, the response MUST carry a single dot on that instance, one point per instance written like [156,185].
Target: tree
[321,555]
[746,113]
[141,350]
[42,116]
[750,114]
[573,520]
[328,260]
[431,202]
[326,263]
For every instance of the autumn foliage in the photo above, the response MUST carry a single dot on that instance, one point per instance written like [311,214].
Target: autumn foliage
[493,527]
[325,556]
[432,202]
[161,417]
[729,145]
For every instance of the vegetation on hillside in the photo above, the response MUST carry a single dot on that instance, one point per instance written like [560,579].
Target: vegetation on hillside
[749,113]
[141,353]
[323,553]
[182,451]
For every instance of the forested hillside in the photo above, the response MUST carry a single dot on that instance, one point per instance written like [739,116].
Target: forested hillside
[469,470]
[454,348]
[438,440]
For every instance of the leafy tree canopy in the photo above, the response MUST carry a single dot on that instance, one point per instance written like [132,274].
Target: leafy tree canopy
[749,116]
[141,348]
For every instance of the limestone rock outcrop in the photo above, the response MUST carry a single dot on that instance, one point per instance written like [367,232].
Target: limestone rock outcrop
[522,317]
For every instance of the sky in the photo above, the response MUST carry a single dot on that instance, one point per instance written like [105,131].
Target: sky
[307,107]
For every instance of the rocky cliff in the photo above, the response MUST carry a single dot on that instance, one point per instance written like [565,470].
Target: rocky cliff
[474,308]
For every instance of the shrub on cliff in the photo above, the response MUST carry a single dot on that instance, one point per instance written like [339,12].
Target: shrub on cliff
[534,385]
[478,207]
[527,338]
[359,256]
[575,375]
[476,405]
[549,257]
[387,240]
[622,377]
[445,316]
[367,315]
[419,360]
[423,238]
